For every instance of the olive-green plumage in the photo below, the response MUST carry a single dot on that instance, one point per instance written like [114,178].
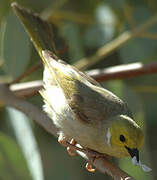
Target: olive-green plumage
[93,116]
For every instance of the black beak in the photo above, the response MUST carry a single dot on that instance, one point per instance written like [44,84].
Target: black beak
[133,152]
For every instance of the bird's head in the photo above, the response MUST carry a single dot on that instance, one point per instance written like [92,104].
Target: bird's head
[125,136]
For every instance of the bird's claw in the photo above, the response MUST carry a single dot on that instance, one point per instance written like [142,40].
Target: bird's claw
[62,140]
[70,150]
[89,168]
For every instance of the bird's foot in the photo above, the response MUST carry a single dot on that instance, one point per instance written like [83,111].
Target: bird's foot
[70,150]
[64,142]
[93,154]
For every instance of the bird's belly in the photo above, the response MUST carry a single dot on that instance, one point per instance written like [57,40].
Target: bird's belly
[62,115]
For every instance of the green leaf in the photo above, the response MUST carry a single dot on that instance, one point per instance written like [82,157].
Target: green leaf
[12,162]
[40,31]
[16,48]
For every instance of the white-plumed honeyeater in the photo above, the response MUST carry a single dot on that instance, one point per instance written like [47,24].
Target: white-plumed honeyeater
[82,110]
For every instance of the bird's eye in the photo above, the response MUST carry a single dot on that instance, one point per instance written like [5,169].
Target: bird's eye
[122,138]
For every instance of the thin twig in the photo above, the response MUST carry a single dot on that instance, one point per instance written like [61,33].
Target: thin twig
[107,49]
[101,164]
[148,35]
[128,13]
[27,72]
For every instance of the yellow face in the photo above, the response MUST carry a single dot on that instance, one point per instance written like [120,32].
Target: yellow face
[126,136]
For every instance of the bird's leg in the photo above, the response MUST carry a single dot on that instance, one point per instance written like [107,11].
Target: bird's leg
[95,155]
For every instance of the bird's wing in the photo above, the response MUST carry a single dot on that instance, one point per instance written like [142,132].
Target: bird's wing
[90,103]
[93,104]
[85,105]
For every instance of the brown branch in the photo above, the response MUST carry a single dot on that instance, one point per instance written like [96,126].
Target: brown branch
[117,72]
[123,71]
[26,89]
[101,164]
[109,168]
[8,98]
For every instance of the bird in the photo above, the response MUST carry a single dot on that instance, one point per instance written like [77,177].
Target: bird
[86,113]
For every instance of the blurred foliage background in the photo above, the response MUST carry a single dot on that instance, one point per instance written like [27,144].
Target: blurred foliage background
[81,27]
